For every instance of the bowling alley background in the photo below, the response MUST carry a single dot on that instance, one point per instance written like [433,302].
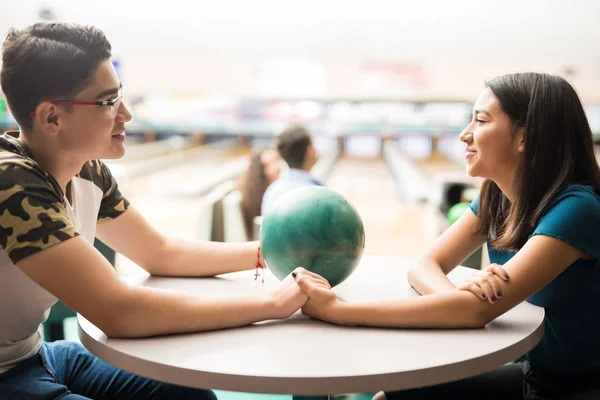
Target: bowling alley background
[385,87]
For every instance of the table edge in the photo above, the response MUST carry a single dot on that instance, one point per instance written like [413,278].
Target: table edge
[309,385]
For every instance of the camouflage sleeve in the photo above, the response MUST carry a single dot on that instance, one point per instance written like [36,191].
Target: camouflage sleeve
[113,202]
[32,211]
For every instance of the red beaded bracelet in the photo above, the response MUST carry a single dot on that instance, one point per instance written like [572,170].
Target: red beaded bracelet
[259,265]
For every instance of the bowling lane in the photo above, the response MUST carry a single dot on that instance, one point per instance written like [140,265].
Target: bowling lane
[448,155]
[437,162]
[175,177]
[391,227]
[154,195]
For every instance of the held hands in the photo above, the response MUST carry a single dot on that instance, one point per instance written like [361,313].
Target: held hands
[287,298]
[322,301]
[292,293]
[485,284]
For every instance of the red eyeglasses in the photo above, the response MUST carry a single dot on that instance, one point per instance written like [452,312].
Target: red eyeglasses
[114,104]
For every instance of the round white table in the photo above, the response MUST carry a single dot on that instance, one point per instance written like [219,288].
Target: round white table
[308,357]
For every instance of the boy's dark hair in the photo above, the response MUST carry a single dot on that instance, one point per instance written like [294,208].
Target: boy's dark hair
[48,61]
[292,144]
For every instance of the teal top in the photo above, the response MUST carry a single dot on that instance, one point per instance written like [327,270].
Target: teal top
[571,341]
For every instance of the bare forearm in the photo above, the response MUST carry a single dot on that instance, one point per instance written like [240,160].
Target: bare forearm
[427,277]
[150,312]
[201,258]
[455,309]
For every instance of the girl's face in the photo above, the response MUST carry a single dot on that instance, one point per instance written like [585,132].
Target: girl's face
[271,162]
[493,144]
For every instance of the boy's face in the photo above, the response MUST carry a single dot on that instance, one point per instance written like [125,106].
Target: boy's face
[92,131]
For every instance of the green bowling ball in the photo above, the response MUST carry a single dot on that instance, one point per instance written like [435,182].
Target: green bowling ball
[456,211]
[315,228]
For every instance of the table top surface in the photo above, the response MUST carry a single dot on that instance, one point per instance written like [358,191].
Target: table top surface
[308,357]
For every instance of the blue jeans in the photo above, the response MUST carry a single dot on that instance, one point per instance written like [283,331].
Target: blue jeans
[67,371]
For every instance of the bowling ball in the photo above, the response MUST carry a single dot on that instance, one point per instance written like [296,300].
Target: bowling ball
[315,228]
[456,211]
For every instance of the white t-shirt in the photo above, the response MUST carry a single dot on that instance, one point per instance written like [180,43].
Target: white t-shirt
[290,179]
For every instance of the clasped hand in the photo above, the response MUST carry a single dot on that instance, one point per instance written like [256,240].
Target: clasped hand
[485,284]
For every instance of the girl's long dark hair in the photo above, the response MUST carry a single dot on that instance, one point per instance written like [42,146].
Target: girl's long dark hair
[253,185]
[559,151]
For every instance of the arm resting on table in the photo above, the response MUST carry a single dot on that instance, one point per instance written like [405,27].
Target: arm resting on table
[131,235]
[541,260]
[76,273]
[458,242]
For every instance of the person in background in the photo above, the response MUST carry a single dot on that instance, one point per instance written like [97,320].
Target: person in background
[264,169]
[295,146]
